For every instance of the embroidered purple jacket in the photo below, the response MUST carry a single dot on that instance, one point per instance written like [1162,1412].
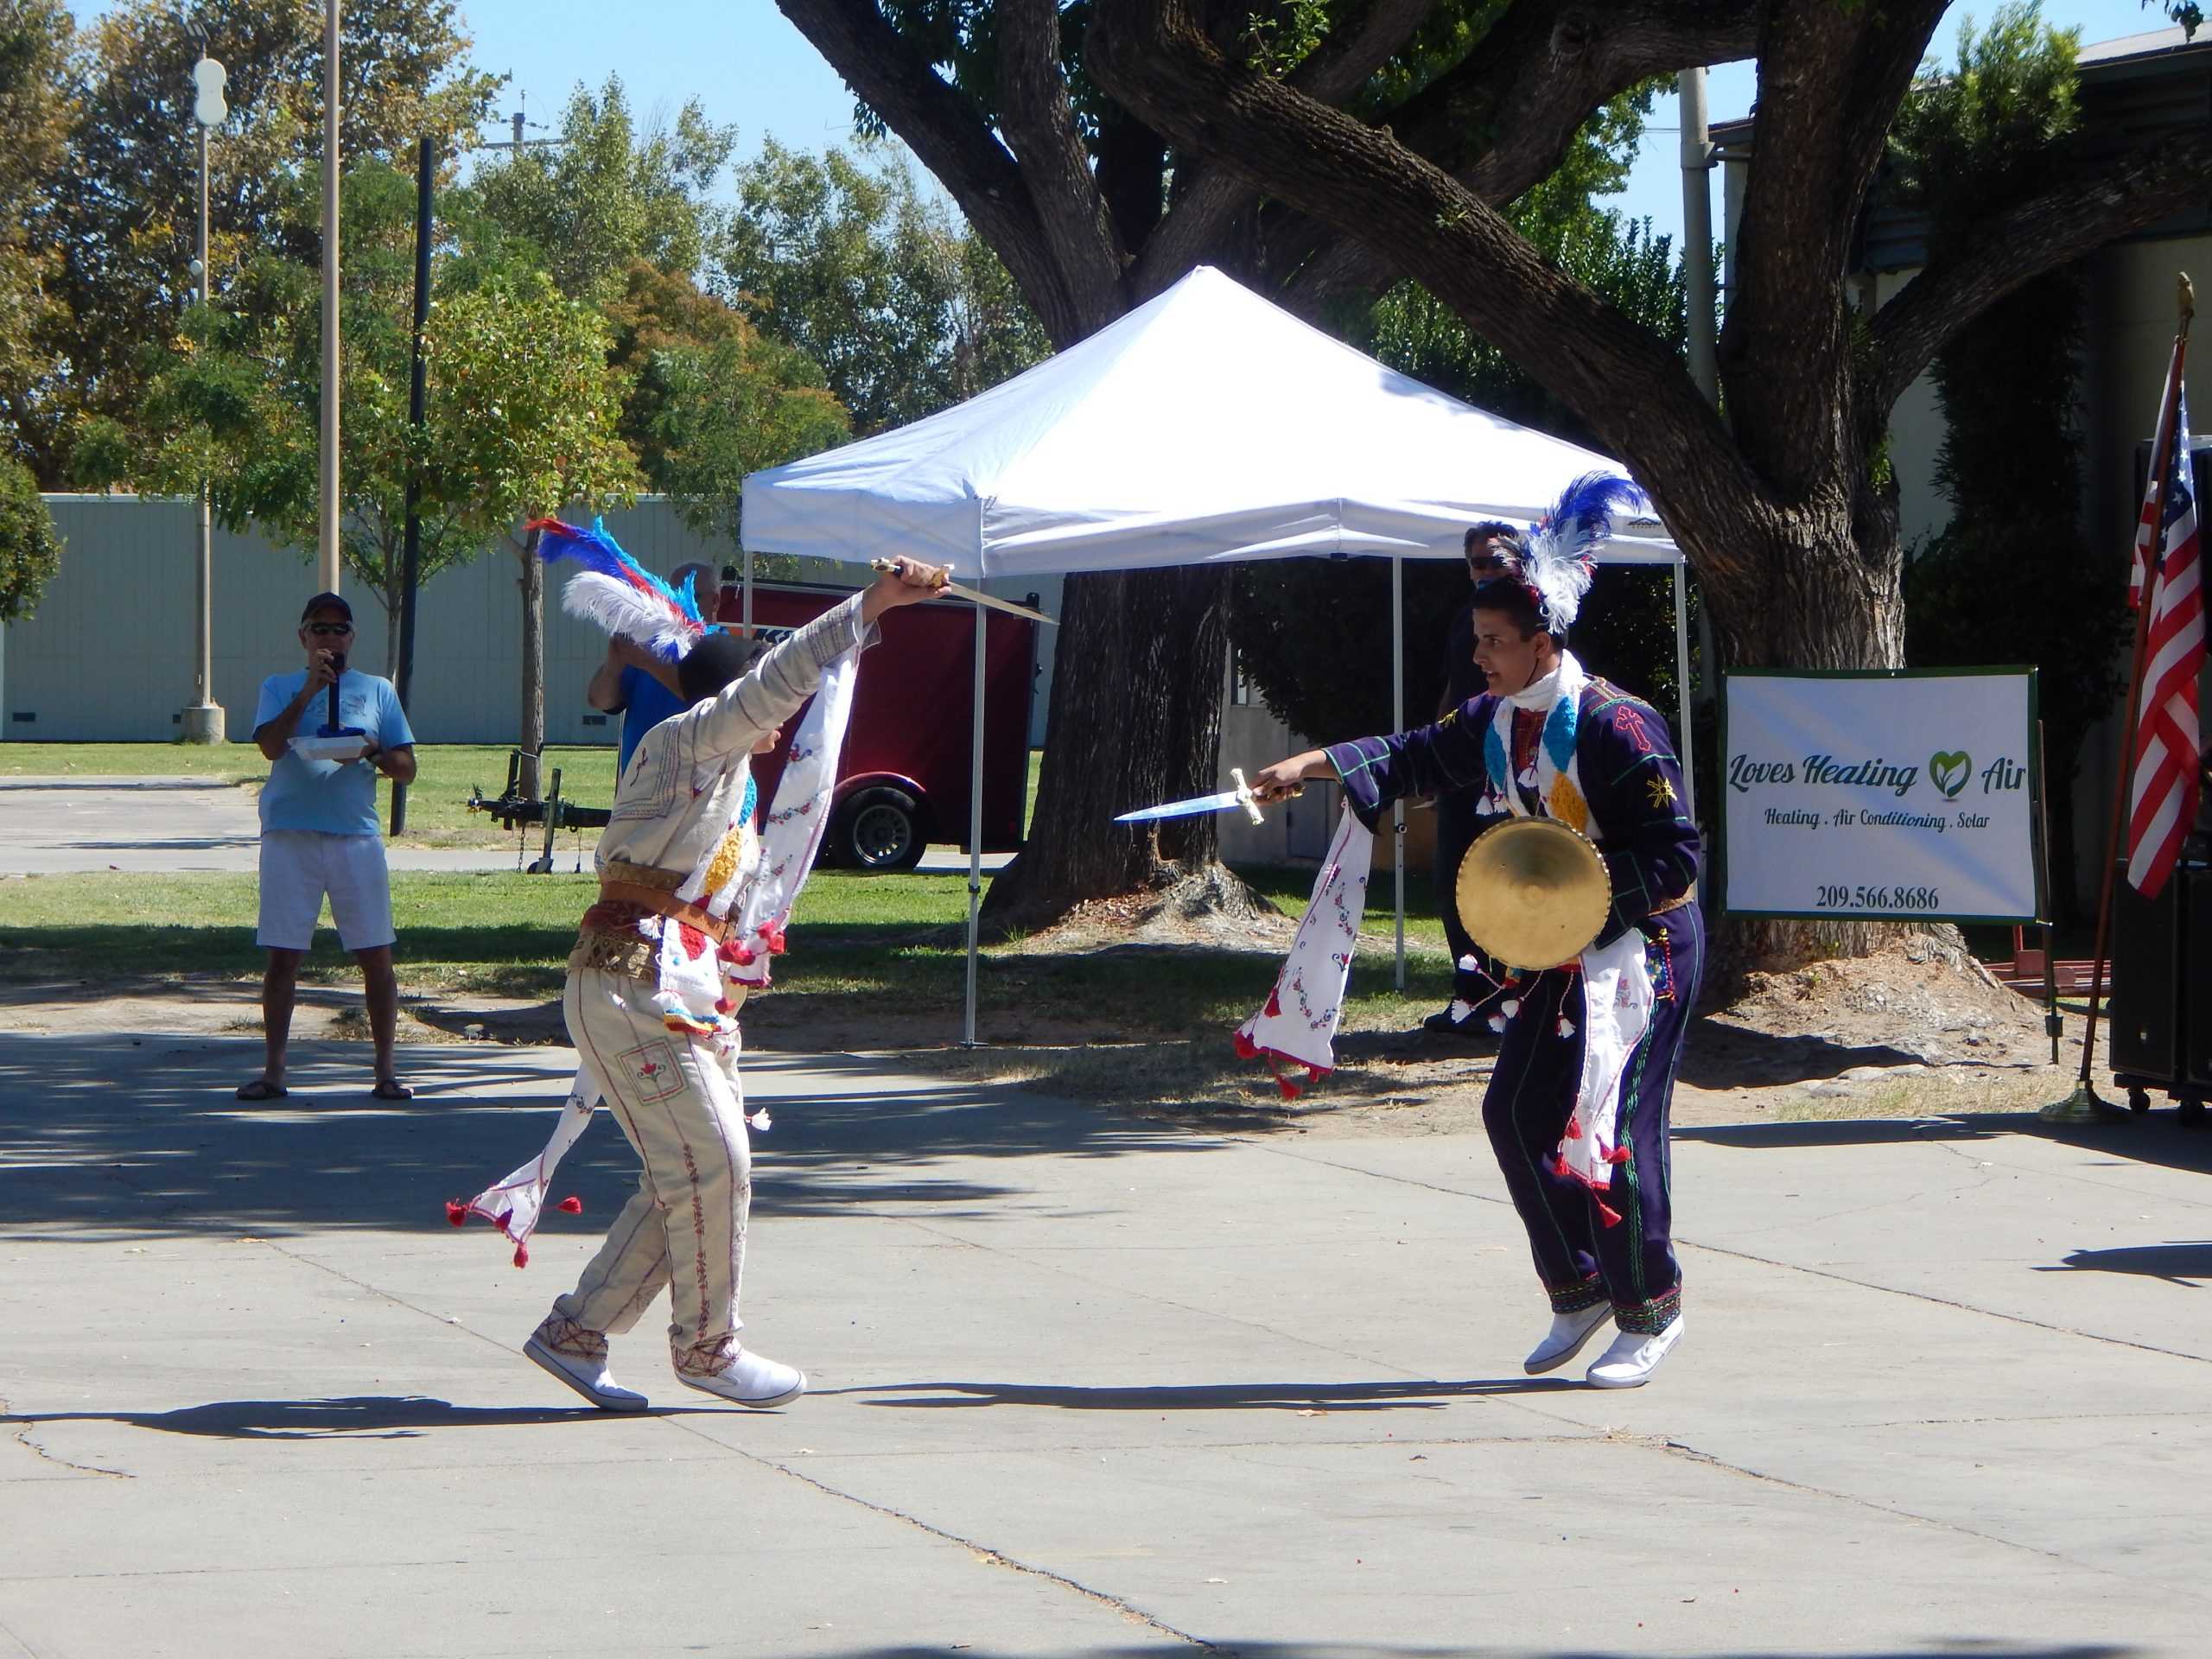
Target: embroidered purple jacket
[1629,776]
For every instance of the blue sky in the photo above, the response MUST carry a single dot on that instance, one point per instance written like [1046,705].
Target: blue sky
[750,66]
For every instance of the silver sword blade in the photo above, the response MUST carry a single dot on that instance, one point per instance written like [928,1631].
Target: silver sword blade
[976,596]
[1220,803]
[955,590]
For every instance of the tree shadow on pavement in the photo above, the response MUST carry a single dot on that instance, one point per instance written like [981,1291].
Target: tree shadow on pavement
[2158,1139]
[108,1137]
[2186,1264]
[381,1417]
[1392,1395]
[1228,1646]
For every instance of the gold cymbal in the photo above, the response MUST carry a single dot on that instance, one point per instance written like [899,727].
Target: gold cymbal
[1532,893]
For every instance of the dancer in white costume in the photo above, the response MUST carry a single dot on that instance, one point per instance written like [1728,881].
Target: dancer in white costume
[652,987]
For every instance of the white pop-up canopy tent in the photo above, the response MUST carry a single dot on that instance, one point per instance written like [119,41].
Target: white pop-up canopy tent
[1205,426]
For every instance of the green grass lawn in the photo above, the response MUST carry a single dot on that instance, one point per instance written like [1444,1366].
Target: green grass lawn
[437,802]
[862,943]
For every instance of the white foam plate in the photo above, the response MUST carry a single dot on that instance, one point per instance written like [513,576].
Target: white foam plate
[347,747]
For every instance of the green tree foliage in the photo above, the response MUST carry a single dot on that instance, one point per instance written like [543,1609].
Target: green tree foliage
[1970,144]
[237,405]
[126,200]
[1313,635]
[30,549]
[838,256]
[710,398]
[604,195]
[34,96]
[529,412]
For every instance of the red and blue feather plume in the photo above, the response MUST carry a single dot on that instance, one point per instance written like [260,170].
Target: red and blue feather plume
[614,592]
[1563,545]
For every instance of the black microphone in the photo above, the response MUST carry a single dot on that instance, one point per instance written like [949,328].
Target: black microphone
[337,671]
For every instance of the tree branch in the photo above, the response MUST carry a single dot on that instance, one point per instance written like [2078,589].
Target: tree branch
[1830,82]
[1546,64]
[2079,213]
[1212,200]
[888,73]
[1039,122]
[1149,55]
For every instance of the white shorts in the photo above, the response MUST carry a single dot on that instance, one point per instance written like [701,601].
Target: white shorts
[299,866]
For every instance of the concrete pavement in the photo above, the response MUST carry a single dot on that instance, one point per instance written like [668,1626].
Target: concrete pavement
[1083,1386]
[62,825]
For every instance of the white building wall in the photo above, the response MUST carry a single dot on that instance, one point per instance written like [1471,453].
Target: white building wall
[107,657]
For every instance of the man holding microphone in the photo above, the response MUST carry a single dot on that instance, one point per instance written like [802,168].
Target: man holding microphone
[320,835]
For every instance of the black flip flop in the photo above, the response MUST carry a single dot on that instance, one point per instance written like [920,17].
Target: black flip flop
[262,1088]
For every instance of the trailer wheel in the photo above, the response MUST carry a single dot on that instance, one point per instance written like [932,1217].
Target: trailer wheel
[879,828]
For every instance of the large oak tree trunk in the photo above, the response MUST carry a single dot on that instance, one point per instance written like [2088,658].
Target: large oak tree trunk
[1135,719]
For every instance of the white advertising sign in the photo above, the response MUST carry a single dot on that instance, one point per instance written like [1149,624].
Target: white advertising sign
[1900,796]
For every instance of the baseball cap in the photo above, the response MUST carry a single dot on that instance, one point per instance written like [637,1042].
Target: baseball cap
[326,602]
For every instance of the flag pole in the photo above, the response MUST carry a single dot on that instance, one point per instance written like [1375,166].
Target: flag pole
[2084,1105]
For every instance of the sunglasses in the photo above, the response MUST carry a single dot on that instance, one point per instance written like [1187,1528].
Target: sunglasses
[321,629]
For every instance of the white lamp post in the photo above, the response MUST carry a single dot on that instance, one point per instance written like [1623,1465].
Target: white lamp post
[326,549]
[203,721]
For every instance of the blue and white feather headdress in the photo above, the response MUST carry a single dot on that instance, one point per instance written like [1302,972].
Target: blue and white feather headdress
[1563,545]
[614,592]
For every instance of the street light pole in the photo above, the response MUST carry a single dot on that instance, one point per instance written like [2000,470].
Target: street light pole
[326,552]
[203,721]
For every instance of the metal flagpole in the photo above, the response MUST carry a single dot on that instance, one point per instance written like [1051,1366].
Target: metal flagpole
[974,829]
[2084,1105]
[1398,724]
[1682,691]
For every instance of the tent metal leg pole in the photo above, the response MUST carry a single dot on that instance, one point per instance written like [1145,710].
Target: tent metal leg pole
[748,592]
[1398,724]
[974,831]
[1688,740]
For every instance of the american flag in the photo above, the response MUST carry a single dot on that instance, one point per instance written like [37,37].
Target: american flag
[2163,794]
[2147,521]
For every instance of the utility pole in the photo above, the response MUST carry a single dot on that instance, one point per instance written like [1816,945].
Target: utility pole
[516,124]
[326,551]
[1697,233]
[203,721]
[411,555]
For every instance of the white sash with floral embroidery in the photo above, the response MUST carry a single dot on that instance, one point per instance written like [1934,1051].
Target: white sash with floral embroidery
[1617,999]
[758,885]
[1299,1023]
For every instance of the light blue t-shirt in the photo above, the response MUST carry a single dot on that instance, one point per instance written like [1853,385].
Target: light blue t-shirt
[325,796]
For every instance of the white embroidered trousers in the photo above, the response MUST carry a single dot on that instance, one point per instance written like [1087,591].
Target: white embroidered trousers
[685,1227]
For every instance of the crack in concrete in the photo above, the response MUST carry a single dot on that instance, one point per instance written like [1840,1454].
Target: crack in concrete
[983,1552]
[1686,1244]
[23,1438]
[1691,1454]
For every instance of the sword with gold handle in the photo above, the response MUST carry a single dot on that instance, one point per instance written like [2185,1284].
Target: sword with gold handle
[956,590]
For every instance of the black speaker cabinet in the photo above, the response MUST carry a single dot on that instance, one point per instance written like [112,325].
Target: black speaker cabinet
[2196,999]
[2147,979]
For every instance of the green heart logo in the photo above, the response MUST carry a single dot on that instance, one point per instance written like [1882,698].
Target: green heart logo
[1950,773]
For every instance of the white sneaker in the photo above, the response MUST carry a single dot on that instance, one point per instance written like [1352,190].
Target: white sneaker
[589,1377]
[750,1381]
[1633,1356]
[1569,1333]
